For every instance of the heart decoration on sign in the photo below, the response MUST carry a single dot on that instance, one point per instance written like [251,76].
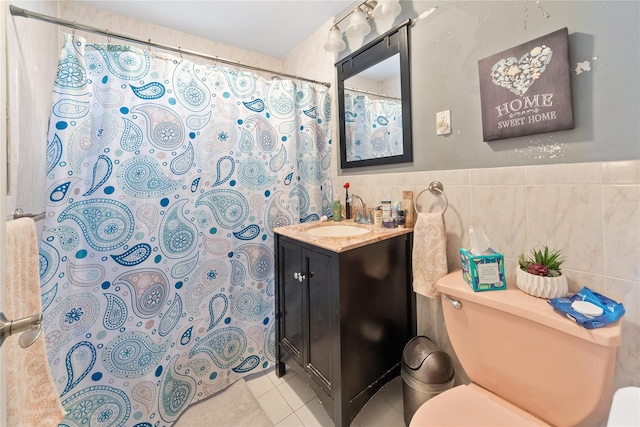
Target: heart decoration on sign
[518,75]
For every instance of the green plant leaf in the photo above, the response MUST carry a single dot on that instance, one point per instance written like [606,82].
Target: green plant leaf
[551,259]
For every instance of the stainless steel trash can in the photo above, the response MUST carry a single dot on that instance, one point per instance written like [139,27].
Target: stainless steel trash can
[426,372]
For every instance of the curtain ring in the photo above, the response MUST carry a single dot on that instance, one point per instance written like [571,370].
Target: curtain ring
[180,51]
[75,26]
[149,46]
[108,37]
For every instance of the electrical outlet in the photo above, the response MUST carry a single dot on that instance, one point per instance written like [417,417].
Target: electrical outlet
[443,122]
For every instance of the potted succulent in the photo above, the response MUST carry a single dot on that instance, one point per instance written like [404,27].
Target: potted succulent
[539,275]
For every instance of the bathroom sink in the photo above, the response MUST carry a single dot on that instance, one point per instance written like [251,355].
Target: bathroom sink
[338,231]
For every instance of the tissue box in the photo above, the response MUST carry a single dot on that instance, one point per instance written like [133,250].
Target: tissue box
[483,272]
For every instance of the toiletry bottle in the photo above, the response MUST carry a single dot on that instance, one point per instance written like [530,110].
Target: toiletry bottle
[407,205]
[337,211]
[386,209]
[377,216]
[401,218]
[394,210]
[347,202]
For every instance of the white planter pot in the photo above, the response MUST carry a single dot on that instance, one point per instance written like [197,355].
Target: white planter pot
[540,286]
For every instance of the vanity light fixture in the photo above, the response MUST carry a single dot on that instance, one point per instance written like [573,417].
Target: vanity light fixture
[385,14]
[358,25]
[334,42]
[387,10]
[359,21]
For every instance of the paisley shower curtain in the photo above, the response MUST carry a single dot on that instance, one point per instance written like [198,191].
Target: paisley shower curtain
[165,180]
[373,126]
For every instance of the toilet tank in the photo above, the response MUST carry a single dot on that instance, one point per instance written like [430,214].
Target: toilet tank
[517,347]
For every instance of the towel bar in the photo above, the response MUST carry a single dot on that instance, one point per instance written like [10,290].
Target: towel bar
[30,325]
[434,187]
[19,213]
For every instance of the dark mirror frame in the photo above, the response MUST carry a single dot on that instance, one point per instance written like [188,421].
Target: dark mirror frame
[390,43]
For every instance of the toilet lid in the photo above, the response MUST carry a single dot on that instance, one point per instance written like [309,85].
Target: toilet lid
[466,406]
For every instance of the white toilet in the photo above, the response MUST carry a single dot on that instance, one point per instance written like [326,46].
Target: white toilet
[529,366]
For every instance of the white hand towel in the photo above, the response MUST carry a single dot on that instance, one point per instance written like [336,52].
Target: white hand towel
[429,253]
[33,398]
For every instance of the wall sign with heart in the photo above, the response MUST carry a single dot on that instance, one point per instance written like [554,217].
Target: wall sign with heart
[518,75]
[526,89]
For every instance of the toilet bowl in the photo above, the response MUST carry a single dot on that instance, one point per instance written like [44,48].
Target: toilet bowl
[529,366]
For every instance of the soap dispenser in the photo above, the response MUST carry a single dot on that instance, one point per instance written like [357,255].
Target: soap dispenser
[337,211]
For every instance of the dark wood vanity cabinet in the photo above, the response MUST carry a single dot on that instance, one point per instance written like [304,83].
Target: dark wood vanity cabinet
[343,318]
[305,328]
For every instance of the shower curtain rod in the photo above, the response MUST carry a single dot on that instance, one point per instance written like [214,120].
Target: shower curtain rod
[366,92]
[17,11]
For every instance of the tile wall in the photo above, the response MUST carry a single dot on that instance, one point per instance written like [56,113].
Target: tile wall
[591,211]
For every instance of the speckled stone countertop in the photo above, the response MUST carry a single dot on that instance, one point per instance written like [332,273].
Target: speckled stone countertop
[339,244]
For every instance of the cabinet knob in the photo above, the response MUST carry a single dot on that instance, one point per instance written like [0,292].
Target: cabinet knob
[299,276]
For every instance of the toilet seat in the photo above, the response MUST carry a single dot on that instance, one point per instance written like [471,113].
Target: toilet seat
[470,405]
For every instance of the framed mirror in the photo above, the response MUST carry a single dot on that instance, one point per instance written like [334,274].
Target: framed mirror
[374,102]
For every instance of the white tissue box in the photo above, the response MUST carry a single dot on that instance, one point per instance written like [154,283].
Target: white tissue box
[483,272]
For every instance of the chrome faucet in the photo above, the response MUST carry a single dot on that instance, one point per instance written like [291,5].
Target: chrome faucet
[361,215]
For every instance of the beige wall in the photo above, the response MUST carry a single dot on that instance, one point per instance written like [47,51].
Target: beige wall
[589,210]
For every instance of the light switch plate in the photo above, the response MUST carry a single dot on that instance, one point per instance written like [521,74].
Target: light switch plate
[443,122]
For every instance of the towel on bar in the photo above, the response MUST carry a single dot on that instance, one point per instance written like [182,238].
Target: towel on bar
[33,395]
[429,253]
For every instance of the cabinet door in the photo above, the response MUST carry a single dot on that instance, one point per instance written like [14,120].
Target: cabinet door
[320,328]
[291,299]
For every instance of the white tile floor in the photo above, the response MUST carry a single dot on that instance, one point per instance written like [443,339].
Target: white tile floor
[289,402]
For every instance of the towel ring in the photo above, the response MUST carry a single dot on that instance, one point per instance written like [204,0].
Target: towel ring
[434,187]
